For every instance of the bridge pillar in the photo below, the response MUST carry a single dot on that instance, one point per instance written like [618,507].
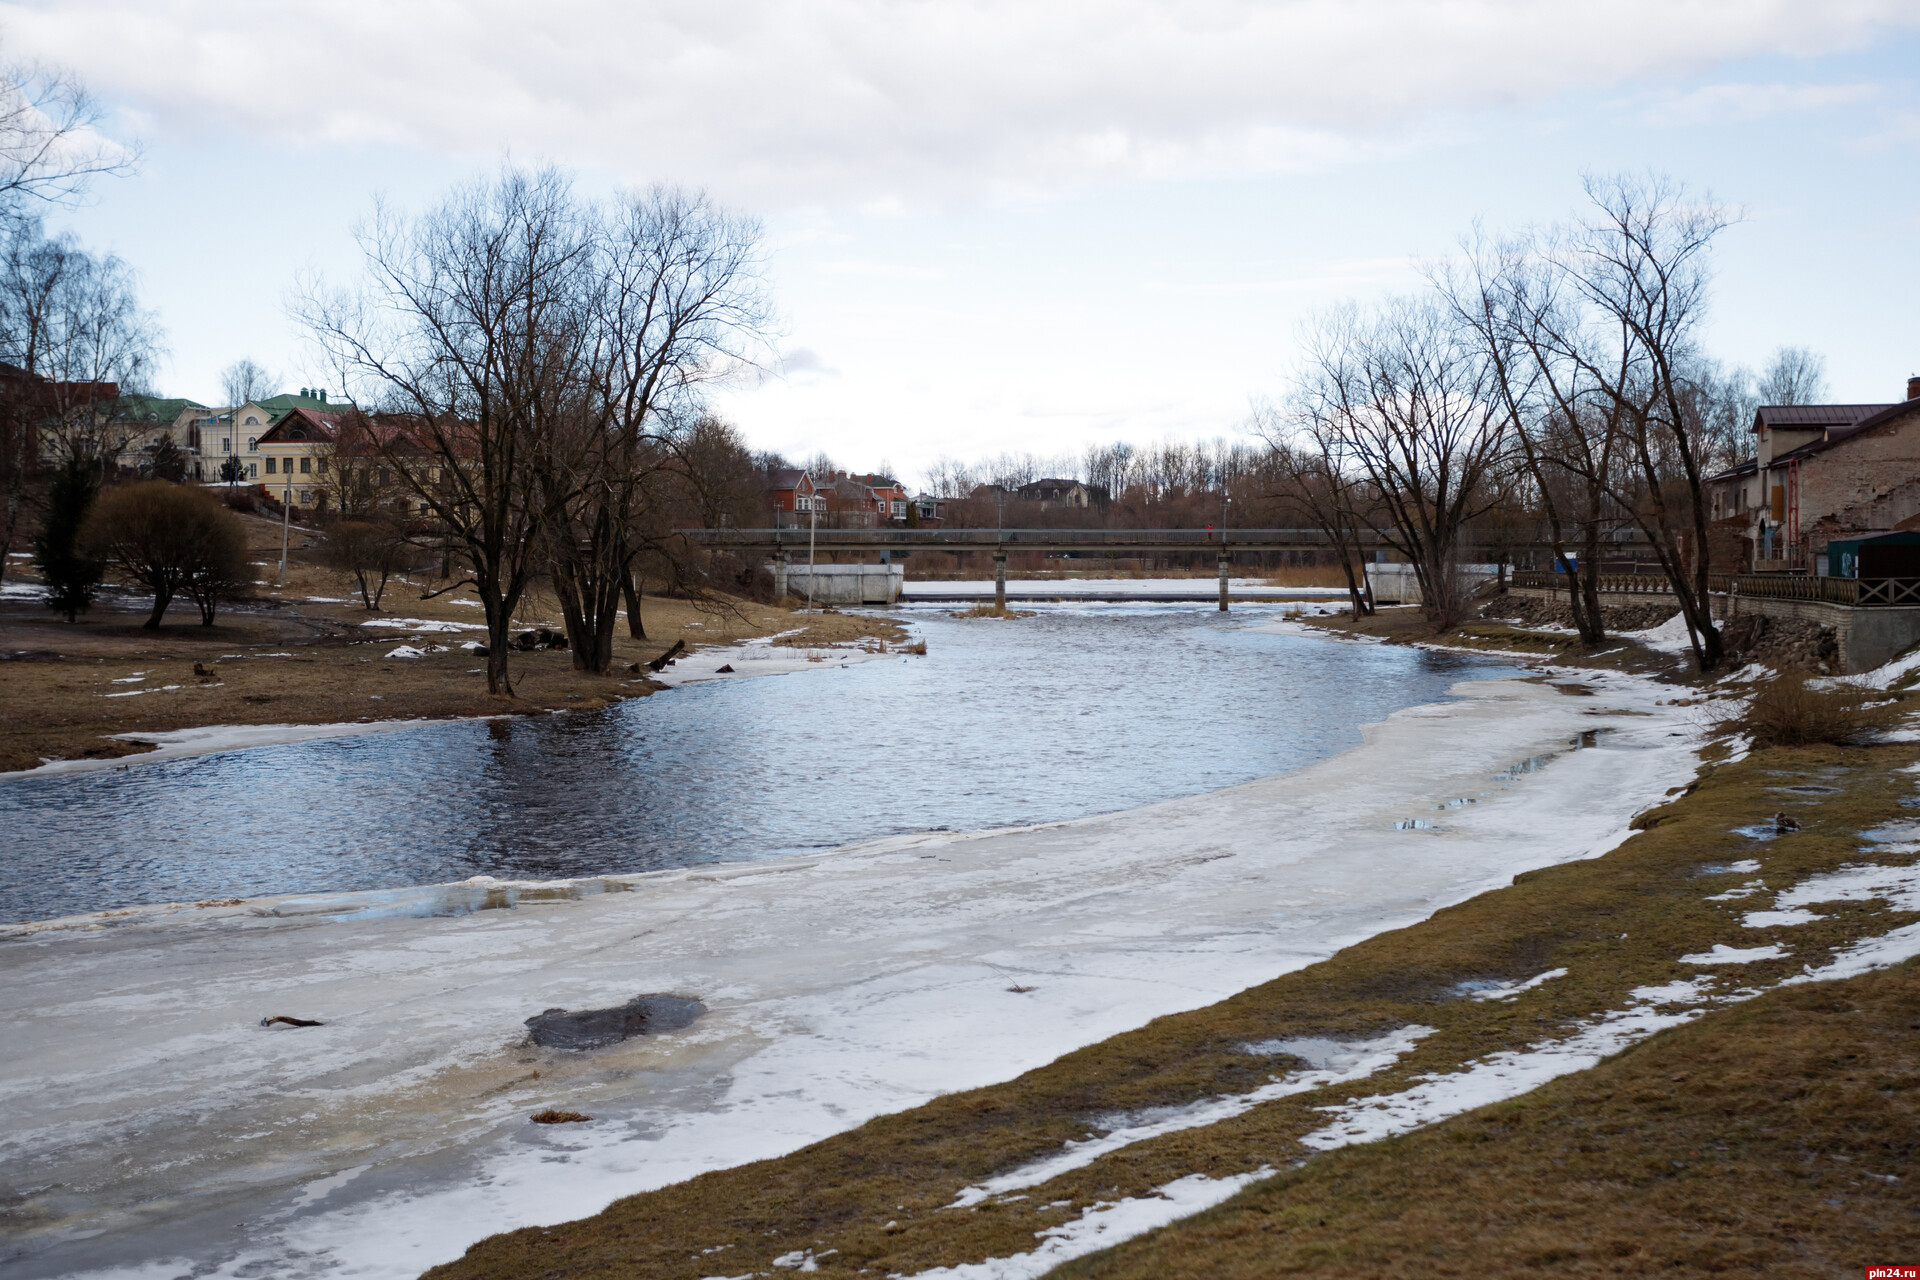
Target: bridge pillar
[1000,580]
[779,575]
[1225,560]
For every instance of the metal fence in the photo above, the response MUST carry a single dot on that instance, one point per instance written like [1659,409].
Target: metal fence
[1847,591]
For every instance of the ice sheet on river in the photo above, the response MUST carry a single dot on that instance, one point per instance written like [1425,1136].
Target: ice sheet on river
[147,1103]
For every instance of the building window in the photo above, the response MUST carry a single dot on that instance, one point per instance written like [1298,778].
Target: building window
[253,442]
[251,421]
[306,496]
[270,466]
[306,465]
[320,465]
[253,471]
[423,508]
[226,444]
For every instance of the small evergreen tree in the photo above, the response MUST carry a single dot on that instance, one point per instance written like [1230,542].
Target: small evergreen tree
[233,471]
[70,573]
[166,461]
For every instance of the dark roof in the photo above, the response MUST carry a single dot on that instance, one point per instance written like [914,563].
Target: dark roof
[1813,417]
[302,424]
[785,478]
[1746,468]
[1840,435]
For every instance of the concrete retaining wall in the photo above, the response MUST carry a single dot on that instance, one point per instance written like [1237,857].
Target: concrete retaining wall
[1867,636]
[1399,584]
[840,583]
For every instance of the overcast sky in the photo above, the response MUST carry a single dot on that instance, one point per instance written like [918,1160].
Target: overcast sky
[1018,226]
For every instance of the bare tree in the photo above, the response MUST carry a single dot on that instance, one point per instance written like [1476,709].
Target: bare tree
[243,381]
[1794,375]
[50,146]
[680,306]
[1639,267]
[468,336]
[1514,304]
[1311,485]
[371,552]
[72,321]
[1410,402]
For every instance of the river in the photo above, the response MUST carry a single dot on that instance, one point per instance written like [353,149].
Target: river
[1080,709]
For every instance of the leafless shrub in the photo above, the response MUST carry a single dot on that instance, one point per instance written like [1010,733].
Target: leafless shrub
[371,552]
[1789,711]
[173,541]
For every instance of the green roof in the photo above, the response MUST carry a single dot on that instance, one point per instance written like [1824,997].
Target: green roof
[280,406]
[155,408]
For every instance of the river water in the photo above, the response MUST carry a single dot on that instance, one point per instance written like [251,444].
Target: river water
[1081,709]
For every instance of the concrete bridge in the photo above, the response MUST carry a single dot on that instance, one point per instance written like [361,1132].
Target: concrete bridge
[780,545]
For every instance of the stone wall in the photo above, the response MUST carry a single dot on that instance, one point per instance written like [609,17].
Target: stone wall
[1866,637]
[1865,483]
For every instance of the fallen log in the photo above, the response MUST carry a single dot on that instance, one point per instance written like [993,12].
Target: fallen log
[660,663]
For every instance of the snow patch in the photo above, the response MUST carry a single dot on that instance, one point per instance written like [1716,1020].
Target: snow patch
[1103,1226]
[1334,1062]
[423,624]
[1724,954]
[1508,990]
[1865,956]
[1670,636]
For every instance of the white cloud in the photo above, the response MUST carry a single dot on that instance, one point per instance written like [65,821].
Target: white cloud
[875,103]
[1716,103]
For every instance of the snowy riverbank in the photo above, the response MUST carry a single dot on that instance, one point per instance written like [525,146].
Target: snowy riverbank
[840,987]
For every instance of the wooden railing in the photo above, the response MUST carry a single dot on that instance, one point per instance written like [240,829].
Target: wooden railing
[1775,586]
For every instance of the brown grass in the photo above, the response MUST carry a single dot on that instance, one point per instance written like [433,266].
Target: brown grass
[1788,711]
[1326,575]
[1775,1138]
[991,611]
[1776,1124]
[553,1116]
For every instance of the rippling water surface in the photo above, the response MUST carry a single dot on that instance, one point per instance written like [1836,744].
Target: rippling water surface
[1079,710]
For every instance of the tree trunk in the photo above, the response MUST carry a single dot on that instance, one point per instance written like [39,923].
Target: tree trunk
[629,588]
[499,620]
[162,597]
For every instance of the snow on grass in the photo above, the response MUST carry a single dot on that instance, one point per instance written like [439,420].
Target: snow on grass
[1500,1076]
[1508,990]
[1724,954]
[1898,886]
[423,624]
[1332,1062]
[1105,1225]
[1865,956]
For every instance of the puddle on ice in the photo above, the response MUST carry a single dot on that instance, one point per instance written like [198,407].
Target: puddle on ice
[643,1015]
[1584,740]
[1416,824]
[1758,831]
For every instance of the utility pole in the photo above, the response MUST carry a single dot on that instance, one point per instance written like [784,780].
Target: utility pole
[1225,498]
[813,523]
[286,512]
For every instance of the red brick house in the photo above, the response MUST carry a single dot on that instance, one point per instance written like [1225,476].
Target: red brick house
[790,492]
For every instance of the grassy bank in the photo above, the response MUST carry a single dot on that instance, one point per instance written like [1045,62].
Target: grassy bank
[1750,1133]
[302,653]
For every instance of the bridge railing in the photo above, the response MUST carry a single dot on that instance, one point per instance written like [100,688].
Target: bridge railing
[1773,586]
[1013,539]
